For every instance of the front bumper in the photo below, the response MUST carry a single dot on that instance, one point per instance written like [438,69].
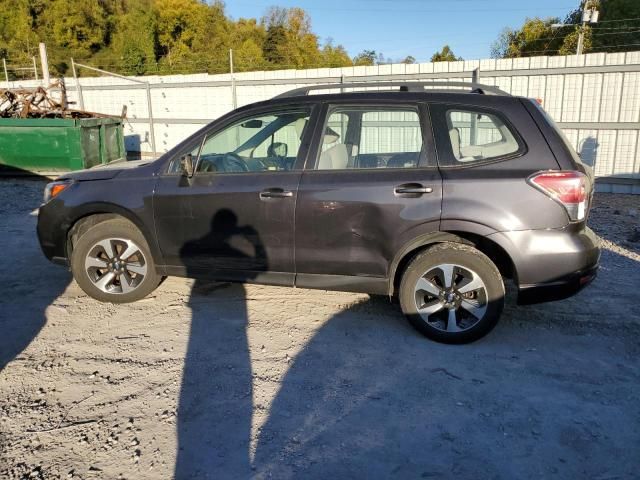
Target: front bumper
[52,229]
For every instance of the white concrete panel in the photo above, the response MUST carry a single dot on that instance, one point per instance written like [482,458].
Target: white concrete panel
[538,62]
[521,63]
[630,107]
[553,96]
[625,153]
[610,101]
[556,62]
[616,58]
[571,98]
[441,67]
[575,61]
[590,108]
[504,83]
[595,58]
[519,86]
[488,64]
[537,86]
[604,152]
[456,66]
[426,68]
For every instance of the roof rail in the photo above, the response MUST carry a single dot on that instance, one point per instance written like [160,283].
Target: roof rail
[401,86]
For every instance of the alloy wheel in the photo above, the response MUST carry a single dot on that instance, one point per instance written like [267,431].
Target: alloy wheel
[451,298]
[116,265]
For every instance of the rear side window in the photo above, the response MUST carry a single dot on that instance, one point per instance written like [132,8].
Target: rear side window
[468,136]
[375,137]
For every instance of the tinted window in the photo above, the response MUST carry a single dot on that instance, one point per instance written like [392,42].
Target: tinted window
[477,136]
[371,138]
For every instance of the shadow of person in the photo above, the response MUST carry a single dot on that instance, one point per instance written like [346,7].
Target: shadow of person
[216,397]
[30,283]
[589,151]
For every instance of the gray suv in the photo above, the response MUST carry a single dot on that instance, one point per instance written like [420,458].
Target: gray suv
[430,193]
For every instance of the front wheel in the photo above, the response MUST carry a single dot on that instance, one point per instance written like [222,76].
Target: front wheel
[452,293]
[112,263]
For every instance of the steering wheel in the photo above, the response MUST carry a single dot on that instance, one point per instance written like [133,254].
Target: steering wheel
[234,163]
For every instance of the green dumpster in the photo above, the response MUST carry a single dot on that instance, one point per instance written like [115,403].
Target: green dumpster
[56,144]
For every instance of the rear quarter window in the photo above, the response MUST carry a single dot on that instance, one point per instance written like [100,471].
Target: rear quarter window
[469,135]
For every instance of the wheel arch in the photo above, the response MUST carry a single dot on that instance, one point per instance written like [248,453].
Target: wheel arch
[93,214]
[487,246]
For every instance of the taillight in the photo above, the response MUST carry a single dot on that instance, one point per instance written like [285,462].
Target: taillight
[569,188]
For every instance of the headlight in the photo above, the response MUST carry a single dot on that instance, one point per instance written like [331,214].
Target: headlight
[53,189]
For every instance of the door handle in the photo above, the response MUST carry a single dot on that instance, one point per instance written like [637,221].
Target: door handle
[275,193]
[419,189]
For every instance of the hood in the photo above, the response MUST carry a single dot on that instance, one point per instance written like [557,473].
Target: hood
[104,172]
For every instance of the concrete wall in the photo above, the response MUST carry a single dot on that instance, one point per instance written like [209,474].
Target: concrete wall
[595,98]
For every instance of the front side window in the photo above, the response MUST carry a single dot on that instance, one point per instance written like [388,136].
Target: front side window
[376,137]
[476,136]
[265,142]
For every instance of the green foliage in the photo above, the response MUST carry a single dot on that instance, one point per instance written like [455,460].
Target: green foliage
[160,36]
[366,58]
[617,30]
[445,55]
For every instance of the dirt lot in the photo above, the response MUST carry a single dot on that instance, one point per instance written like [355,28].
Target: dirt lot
[220,381]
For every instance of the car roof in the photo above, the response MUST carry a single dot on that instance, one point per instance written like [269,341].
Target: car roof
[368,97]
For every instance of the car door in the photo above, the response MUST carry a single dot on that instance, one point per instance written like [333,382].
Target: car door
[233,219]
[370,186]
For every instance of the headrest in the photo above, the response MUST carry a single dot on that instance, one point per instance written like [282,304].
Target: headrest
[330,136]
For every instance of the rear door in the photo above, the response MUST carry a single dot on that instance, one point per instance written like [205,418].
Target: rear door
[370,185]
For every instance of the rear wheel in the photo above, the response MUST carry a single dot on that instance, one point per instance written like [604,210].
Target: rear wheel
[452,293]
[112,262]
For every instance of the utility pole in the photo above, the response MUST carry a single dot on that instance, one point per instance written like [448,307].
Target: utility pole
[589,15]
[234,99]
[78,86]
[45,65]
[6,74]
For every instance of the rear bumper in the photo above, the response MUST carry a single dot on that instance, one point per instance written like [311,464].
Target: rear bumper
[551,264]
[557,290]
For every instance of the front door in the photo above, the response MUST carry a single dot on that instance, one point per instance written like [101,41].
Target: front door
[233,219]
[370,188]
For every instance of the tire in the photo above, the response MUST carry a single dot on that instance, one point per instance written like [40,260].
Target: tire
[452,277]
[101,269]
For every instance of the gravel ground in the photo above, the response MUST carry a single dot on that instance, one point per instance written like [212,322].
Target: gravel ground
[224,381]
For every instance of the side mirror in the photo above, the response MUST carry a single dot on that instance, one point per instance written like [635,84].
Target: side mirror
[186,163]
[278,149]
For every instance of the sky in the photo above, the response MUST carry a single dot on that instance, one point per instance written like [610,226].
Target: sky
[419,28]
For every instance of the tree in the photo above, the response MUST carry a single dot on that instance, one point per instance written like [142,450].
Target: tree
[134,42]
[445,55]
[274,44]
[622,19]
[163,36]
[616,31]
[408,60]
[334,56]
[365,58]
[248,57]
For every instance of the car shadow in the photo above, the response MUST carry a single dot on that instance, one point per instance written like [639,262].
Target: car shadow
[216,396]
[367,396]
[31,284]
